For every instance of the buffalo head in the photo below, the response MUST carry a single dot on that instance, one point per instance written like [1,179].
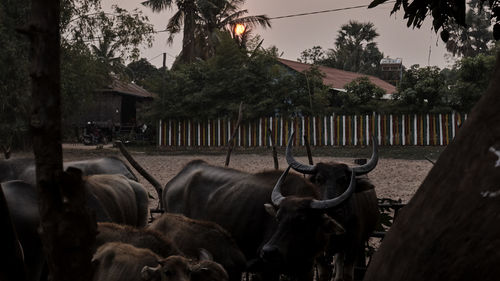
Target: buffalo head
[331,178]
[303,227]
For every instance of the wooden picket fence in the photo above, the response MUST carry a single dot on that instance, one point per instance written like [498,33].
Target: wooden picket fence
[334,130]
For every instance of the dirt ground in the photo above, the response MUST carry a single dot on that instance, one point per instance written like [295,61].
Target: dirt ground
[393,178]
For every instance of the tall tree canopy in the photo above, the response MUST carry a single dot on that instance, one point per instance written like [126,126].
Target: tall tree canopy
[474,38]
[201,22]
[355,50]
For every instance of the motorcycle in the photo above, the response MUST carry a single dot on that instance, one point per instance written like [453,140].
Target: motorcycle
[93,135]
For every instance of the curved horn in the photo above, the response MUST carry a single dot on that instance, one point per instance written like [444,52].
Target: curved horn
[330,203]
[371,164]
[276,196]
[301,168]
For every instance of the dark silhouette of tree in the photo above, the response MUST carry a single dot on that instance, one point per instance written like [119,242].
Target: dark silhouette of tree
[184,18]
[223,15]
[474,38]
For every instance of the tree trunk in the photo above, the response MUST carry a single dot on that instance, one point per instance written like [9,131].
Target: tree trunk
[188,43]
[450,228]
[67,229]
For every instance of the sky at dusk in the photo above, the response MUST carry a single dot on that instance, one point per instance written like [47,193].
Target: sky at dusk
[295,34]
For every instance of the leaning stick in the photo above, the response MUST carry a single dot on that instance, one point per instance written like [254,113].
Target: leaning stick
[273,144]
[230,142]
[428,159]
[308,149]
[158,187]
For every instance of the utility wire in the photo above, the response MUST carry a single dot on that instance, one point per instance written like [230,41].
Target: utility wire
[324,11]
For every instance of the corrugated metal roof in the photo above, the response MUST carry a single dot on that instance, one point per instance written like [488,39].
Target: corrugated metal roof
[336,78]
[130,89]
[391,61]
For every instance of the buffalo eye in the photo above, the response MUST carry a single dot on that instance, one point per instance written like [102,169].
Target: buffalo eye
[318,179]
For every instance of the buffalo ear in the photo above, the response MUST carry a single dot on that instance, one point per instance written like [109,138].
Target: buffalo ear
[270,209]
[332,226]
[148,272]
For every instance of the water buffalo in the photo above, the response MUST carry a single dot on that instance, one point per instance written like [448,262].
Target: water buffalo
[358,215]
[113,198]
[24,168]
[138,237]
[287,241]
[191,235]
[122,262]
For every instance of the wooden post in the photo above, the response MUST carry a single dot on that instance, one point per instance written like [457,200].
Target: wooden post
[308,149]
[230,143]
[67,229]
[273,145]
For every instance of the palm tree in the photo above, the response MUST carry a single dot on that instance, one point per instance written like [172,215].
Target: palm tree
[202,19]
[354,48]
[186,15]
[224,15]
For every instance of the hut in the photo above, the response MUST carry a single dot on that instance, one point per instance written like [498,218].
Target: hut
[115,108]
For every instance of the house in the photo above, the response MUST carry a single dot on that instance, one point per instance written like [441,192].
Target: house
[115,107]
[336,79]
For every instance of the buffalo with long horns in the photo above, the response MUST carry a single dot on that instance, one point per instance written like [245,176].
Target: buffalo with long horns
[359,214]
[288,240]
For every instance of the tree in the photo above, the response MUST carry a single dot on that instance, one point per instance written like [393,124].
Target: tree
[66,227]
[14,76]
[361,96]
[201,21]
[184,18]
[315,55]
[439,234]
[355,50]
[475,38]
[232,75]
[421,89]
[223,15]
[470,81]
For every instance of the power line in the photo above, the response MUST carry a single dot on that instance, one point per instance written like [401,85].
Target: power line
[324,11]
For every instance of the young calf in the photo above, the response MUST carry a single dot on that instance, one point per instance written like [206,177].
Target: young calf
[192,235]
[141,238]
[116,261]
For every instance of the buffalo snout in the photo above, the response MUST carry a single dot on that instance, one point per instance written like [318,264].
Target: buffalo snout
[271,254]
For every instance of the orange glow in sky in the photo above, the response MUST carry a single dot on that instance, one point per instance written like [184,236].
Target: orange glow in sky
[239,29]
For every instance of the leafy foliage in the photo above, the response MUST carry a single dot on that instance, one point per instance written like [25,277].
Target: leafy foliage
[202,21]
[468,80]
[355,50]
[422,89]
[474,38]
[361,96]
[81,75]
[14,74]
[445,14]
[215,87]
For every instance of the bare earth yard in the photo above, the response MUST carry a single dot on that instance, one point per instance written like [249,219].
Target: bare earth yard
[393,178]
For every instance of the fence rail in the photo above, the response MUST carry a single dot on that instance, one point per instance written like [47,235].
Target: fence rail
[334,130]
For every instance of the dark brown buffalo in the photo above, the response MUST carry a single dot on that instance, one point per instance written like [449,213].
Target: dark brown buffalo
[24,168]
[116,261]
[192,235]
[138,237]
[286,242]
[113,198]
[358,214]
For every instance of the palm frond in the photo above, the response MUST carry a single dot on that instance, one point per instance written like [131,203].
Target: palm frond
[158,5]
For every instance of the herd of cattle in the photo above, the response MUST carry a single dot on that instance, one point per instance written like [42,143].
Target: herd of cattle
[218,222]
